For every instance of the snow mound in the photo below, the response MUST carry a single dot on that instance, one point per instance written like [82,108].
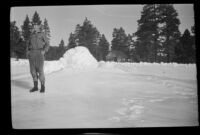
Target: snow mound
[78,58]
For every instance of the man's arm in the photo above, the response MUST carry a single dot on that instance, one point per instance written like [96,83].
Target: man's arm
[46,45]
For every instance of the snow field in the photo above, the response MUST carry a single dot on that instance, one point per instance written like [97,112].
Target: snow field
[87,93]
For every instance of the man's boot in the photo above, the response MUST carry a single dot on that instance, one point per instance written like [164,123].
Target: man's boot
[42,87]
[35,88]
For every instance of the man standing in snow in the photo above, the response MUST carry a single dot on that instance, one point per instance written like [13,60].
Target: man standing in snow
[36,48]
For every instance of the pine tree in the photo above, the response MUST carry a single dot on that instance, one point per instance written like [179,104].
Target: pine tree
[193,38]
[187,47]
[94,47]
[131,48]
[71,41]
[147,33]
[14,37]
[185,50]
[84,34]
[36,19]
[26,29]
[169,30]
[87,35]
[62,44]
[53,53]
[104,47]
[129,45]
[158,32]
[61,48]
[76,34]
[20,49]
[46,29]
[119,41]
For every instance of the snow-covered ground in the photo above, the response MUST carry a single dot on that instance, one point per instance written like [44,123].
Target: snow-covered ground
[104,94]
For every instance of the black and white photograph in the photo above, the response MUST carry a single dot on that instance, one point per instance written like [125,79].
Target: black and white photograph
[103,66]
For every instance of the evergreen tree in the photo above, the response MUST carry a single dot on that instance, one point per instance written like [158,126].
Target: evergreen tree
[179,56]
[169,30]
[147,34]
[62,44]
[104,47]
[71,41]
[188,51]
[61,48]
[76,35]
[26,29]
[157,32]
[36,19]
[14,38]
[87,35]
[131,50]
[46,29]
[193,43]
[53,53]
[94,47]
[20,49]
[119,41]
[129,45]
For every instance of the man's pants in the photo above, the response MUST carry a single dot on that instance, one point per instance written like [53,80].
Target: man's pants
[36,61]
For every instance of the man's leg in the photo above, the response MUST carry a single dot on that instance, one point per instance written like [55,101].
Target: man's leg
[34,74]
[41,72]
[42,79]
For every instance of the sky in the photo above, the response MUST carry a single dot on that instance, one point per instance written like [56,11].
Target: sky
[62,20]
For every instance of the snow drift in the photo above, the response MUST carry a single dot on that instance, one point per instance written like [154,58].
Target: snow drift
[78,58]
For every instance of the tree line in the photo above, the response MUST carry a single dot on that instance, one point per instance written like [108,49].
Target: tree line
[157,38]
